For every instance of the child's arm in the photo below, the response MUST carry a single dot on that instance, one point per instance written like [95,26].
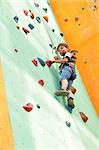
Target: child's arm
[65,60]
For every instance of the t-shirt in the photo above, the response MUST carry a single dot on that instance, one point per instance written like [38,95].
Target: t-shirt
[71,61]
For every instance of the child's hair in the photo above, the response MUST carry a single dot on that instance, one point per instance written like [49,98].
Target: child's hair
[63,44]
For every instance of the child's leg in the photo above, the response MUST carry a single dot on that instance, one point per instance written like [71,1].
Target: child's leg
[69,97]
[65,75]
[64,84]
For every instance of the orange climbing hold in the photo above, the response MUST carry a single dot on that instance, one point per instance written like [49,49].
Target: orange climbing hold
[41,82]
[46,18]
[25,12]
[35,62]
[83,116]
[73,90]
[28,107]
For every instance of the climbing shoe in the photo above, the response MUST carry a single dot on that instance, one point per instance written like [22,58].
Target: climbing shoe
[70,102]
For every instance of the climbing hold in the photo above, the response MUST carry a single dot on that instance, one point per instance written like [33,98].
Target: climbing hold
[36,5]
[18,27]
[69,108]
[35,62]
[68,123]
[31,26]
[28,107]
[53,30]
[25,12]
[41,62]
[83,116]
[38,19]
[25,30]
[49,63]
[76,18]
[46,18]
[54,47]
[95,6]
[38,106]
[16,19]
[73,90]
[66,19]
[61,34]
[41,82]
[45,9]
[16,50]
[51,45]
[79,24]
[32,15]
[83,8]
[85,62]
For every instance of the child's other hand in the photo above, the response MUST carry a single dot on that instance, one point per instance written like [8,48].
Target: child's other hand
[56,58]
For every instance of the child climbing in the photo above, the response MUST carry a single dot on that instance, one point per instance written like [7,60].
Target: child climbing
[67,71]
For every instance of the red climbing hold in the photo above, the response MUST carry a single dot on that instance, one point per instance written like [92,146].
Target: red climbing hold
[28,107]
[41,82]
[35,62]
[73,90]
[83,116]
[49,63]
[25,12]
[25,30]
[46,18]
[76,18]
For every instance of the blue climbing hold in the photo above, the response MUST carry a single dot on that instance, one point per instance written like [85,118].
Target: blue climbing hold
[41,62]
[68,123]
[38,19]
[16,19]
[69,108]
[31,26]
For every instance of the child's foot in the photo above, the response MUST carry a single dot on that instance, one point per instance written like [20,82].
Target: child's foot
[70,102]
[61,93]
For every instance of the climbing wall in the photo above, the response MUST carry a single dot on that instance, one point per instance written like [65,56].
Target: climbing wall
[79,20]
[35,118]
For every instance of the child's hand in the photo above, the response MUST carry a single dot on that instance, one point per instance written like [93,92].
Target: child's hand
[49,63]
[56,58]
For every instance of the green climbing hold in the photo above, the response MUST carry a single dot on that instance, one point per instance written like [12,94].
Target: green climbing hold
[41,62]
[31,26]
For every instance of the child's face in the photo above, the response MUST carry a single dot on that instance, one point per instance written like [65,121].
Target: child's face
[62,50]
